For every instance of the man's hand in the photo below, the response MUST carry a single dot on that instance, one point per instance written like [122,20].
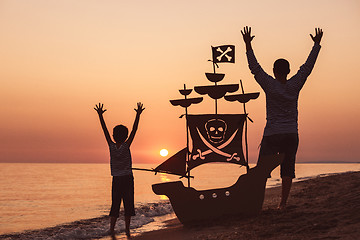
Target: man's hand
[139,109]
[99,108]
[247,34]
[247,37]
[318,36]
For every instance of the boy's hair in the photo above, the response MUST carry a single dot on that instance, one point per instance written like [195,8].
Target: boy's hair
[281,66]
[120,133]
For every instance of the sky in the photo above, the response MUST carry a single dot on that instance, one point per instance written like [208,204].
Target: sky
[60,58]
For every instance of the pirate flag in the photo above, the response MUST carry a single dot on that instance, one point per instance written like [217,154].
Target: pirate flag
[216,138]
[223,54]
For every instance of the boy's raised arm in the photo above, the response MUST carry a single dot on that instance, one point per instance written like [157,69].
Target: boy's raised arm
[99,109]
[139,110]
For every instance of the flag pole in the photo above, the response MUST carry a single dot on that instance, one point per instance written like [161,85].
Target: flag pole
[156,171]
[216,107]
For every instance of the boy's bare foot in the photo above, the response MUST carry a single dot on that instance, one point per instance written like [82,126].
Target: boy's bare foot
[127,231]
[111,232]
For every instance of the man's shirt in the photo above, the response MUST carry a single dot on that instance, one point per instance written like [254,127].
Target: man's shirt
[282,99]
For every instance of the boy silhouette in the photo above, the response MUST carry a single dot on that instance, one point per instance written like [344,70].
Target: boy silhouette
[282,94]
[121,167]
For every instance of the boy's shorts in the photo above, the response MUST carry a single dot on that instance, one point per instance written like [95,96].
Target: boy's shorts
[282,143]
[122,188]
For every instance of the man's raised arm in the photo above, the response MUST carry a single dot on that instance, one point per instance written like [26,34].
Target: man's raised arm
[247,37]
[308,66]
[260,75]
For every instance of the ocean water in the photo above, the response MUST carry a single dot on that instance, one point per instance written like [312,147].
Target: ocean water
[74,199]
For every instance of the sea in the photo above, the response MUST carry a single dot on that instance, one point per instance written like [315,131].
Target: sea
[72,201]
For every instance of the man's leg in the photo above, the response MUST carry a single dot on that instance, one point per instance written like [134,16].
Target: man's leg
[286,186]
[290,143]
[268,146]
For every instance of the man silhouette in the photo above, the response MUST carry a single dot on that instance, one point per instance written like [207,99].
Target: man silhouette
[282,94]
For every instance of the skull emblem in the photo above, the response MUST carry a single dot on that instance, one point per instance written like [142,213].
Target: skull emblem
[216,129]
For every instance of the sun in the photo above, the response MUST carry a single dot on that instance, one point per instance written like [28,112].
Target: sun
[164,152]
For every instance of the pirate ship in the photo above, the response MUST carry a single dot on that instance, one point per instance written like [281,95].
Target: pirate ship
[215,138]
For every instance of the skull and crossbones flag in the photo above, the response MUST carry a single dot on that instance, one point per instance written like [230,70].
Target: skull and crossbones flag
[223,54]
[216,138]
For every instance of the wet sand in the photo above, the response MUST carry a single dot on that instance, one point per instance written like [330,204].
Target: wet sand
[321,208]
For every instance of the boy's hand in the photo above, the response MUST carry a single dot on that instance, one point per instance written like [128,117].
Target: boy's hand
[247,35]
[99,108]
[140,108]
[318,36]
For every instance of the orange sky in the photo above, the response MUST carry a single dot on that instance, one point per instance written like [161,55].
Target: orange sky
[59,58]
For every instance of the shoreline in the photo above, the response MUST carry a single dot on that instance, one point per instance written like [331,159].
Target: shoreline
[307,214]
[325,207]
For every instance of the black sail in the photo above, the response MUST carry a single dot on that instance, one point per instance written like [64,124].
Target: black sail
[216,138]
[216,91]
[242,98]
[175,164]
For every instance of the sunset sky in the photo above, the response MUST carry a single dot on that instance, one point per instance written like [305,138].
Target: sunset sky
[59,58]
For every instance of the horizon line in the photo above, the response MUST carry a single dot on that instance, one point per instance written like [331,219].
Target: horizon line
[301,162]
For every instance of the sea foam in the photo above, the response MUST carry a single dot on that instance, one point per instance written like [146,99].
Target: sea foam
[95,228]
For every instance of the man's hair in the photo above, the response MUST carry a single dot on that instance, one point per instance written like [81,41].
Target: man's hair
[281,66]
[120,133]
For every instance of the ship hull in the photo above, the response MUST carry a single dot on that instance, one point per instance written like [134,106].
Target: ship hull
[244,198]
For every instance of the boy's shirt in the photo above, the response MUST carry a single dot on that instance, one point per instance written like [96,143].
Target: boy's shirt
[282,99]
[120,159]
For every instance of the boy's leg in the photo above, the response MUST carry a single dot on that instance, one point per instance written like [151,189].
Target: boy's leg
[129,203]
[115,205]
[112,225]
[290,146]
[127,225]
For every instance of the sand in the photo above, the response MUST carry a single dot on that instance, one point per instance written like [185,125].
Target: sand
[321,208]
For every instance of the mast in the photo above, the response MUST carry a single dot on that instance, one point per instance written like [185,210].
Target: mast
[245,134]
[220,54]
[187,137]
[225,143]
[185,103]
[244,98]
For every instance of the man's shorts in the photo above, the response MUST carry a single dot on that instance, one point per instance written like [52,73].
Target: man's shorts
[122,188]
[282,143]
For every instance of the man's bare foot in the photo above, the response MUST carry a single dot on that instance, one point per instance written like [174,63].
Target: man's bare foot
[281,207]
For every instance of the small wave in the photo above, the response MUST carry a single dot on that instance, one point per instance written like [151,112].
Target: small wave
[95,228]
[300,179]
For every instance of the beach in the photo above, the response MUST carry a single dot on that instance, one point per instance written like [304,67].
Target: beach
[320,208]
